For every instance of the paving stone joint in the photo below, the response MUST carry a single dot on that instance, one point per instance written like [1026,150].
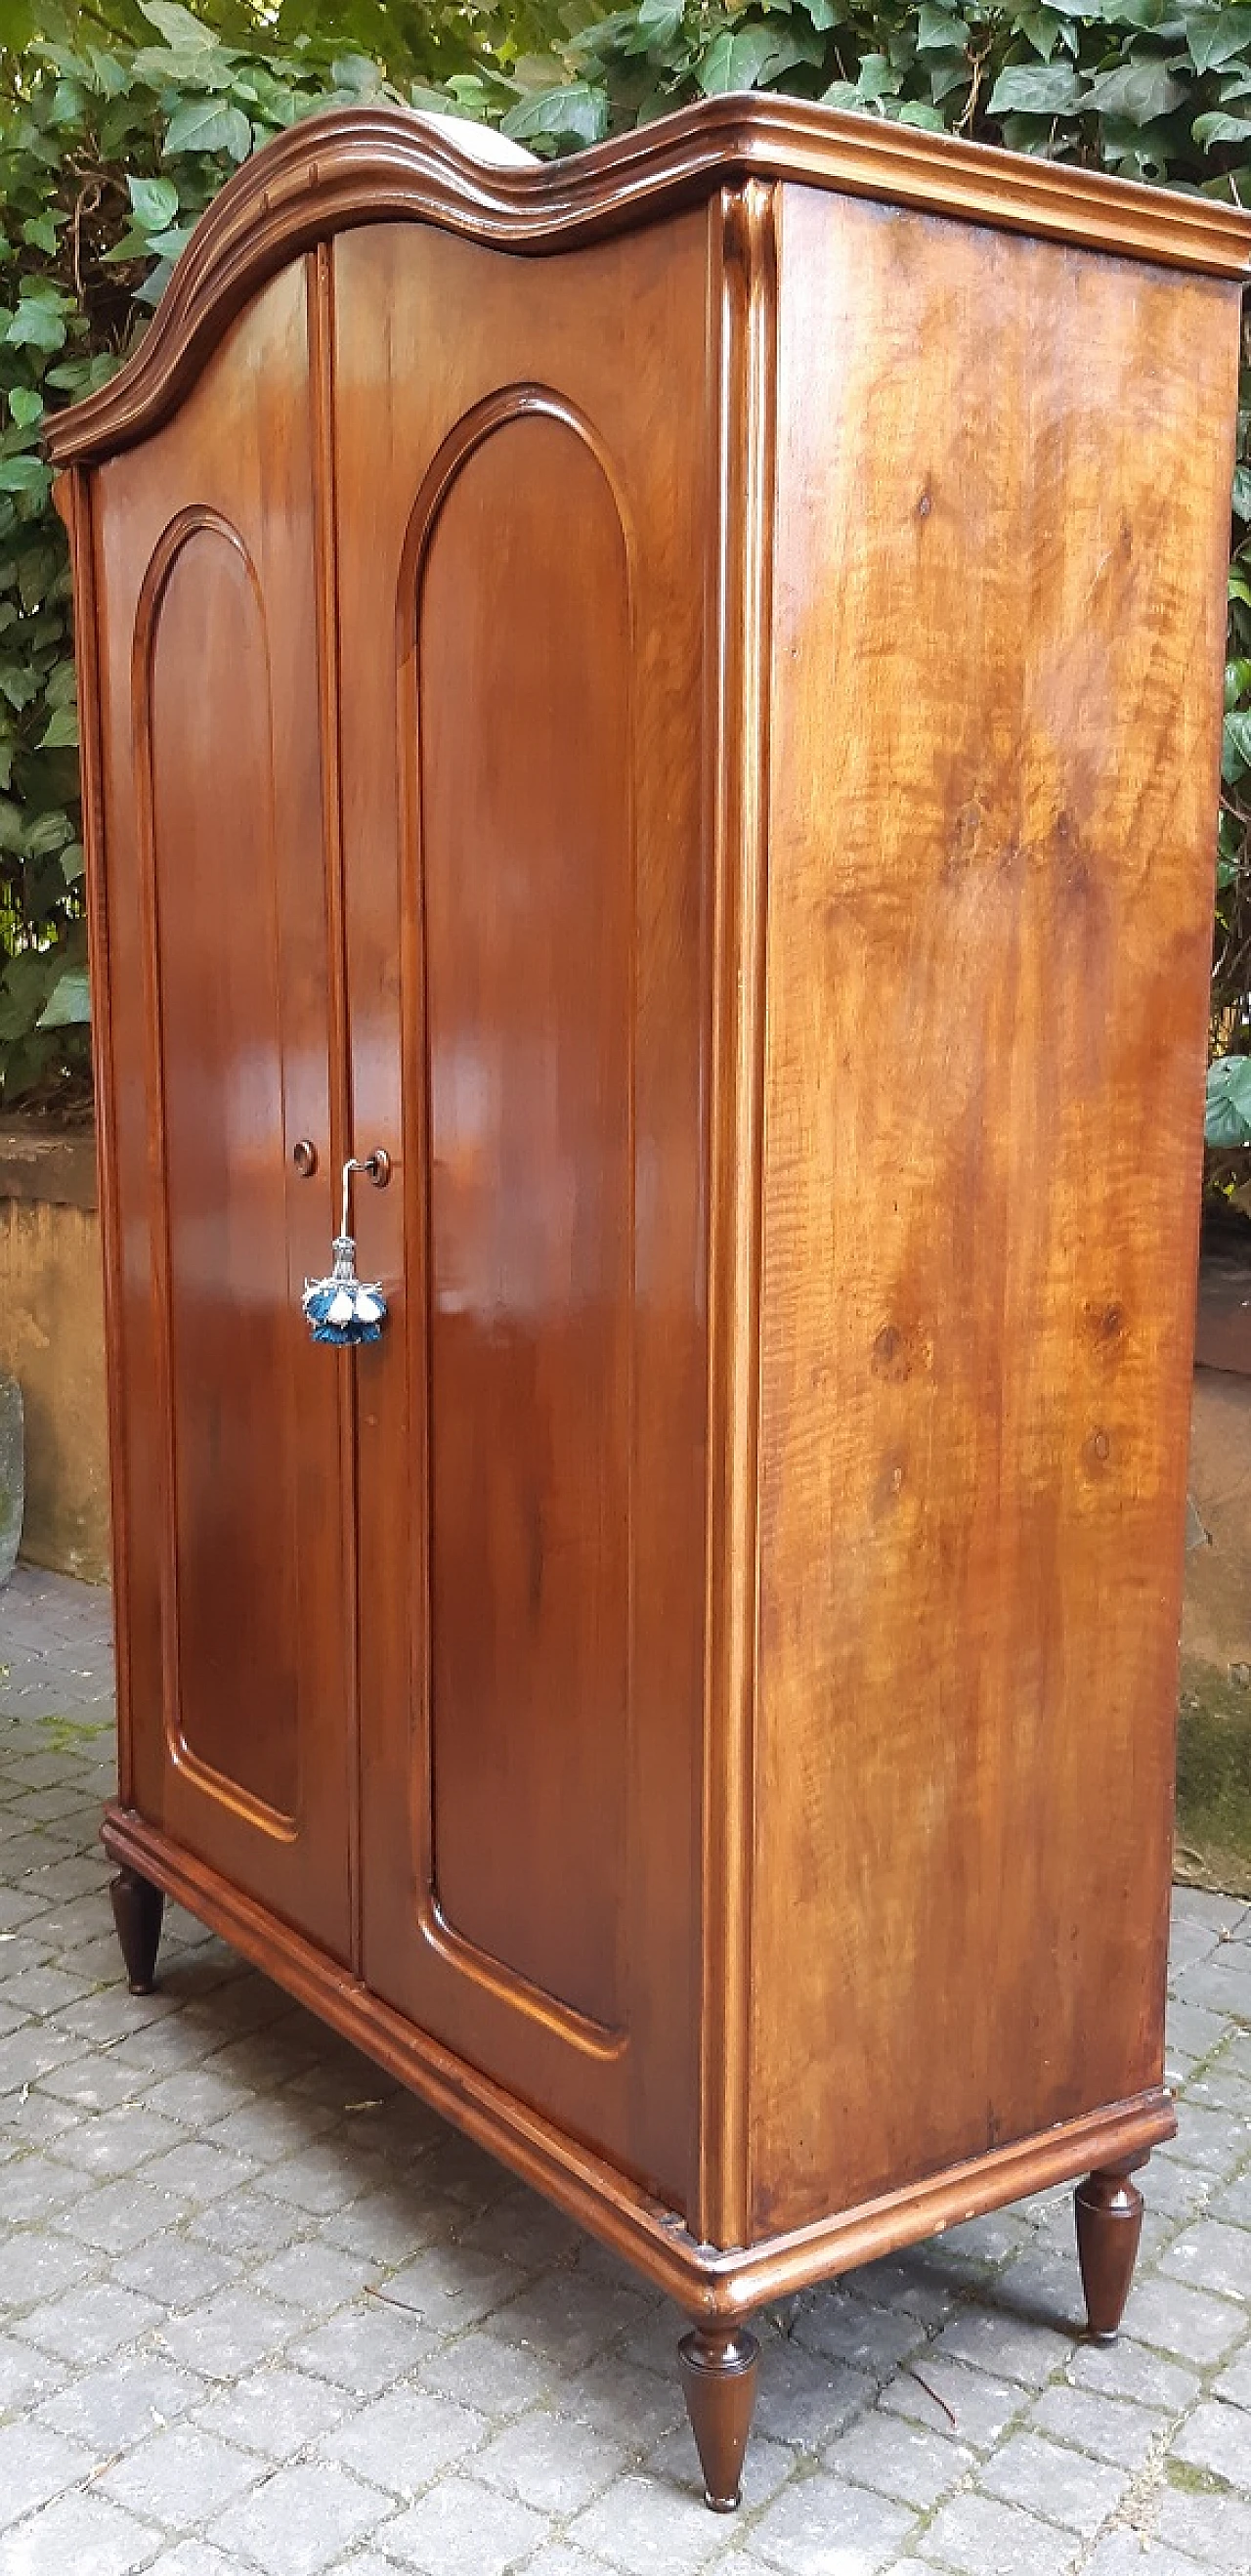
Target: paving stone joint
[262,2311]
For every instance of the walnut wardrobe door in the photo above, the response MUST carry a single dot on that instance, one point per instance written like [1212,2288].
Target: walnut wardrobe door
[520,524]
[236,1684]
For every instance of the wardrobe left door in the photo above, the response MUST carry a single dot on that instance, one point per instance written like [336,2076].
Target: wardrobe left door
[216,873]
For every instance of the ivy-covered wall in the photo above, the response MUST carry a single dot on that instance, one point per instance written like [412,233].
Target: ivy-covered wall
[118,122]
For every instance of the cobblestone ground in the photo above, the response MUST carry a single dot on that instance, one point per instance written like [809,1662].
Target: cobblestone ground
[260,2310]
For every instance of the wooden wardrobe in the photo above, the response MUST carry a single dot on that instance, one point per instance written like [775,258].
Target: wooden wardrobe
[668,706]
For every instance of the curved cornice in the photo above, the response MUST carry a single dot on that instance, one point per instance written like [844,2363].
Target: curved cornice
[359,165]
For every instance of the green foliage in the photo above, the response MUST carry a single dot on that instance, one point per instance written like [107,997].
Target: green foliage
[119,120]
[1228,1124]
[1231,973]
[116,129]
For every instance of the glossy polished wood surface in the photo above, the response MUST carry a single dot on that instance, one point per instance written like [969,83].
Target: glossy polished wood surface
[707,2281]
[522,849]
[365,165]
[699,747]
[217,918]
[1109,2210]
[995,738]
[530,1285]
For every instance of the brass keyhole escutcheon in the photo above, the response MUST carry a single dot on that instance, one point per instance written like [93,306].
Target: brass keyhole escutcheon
[304,1157]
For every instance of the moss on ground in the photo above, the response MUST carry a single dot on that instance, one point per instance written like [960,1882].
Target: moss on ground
[1214,1780]
[1192,2481]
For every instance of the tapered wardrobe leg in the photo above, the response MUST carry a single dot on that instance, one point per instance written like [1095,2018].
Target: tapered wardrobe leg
[718,2366]
[1109,2224]
[137,1911]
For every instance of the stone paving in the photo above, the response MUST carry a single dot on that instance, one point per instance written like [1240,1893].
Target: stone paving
[261,2311]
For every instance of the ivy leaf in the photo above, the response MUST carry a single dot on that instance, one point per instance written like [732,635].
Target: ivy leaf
[1035,89]
[203,125]
[181,31]
[18,685]
[62,688]
[1217,36]
[23,991]
[155,283]
[578,111]
[132,246]
[154,203]
[24,474]
[70,103]
[166,72]
[1139,91]
[25,405]
[62,732]
[657,25]
[1041,28]
[49,833]
[746,60]
[357,73]
[948,74]
[68,1004]
[170,245]
[1236,747]
[36,326]
[40,234]
[1219,128]
[1227,1122]
[1152,17]
[111,77]
[878,77]
[939,32]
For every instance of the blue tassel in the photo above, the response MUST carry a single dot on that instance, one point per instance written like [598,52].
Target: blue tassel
[344,1309]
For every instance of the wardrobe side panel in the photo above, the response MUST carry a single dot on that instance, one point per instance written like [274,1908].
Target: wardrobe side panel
[1002,521]
[226,1417]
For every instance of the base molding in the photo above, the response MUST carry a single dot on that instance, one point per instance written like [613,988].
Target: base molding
[707,2281]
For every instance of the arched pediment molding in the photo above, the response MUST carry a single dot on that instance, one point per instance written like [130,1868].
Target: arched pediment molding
[359,165]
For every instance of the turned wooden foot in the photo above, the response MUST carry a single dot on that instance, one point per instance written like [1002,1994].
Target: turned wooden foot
[718,2366]
[137,1911]
[1109,2224]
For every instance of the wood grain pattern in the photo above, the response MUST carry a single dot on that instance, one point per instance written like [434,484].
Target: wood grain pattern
[719,2367]
[363,165]
[996,713]
[1108,2210]
[592,2188]
[527,935]
[529,1044]
[338,1142]
[213,864]
[204,730]
[742,374]
[699,747]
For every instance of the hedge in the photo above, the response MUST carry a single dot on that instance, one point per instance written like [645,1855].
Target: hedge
[118,122]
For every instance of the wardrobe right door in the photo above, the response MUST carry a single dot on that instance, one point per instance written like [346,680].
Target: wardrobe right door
[522,474]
